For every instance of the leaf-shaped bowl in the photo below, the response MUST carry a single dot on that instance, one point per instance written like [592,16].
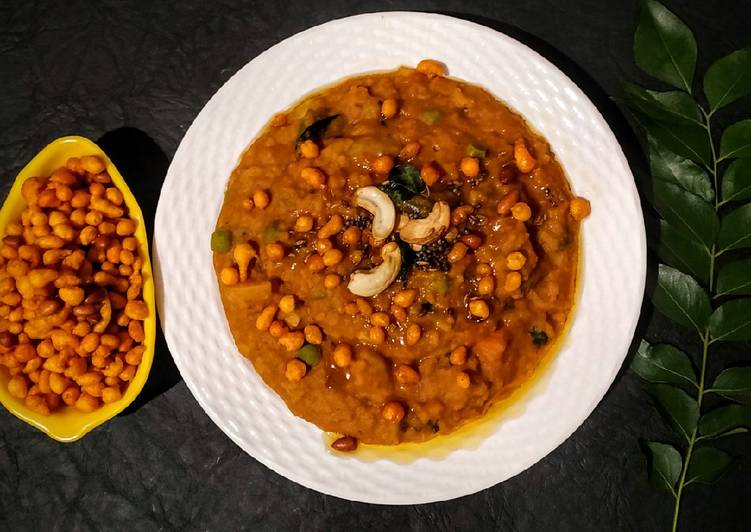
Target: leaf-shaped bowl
[68,424]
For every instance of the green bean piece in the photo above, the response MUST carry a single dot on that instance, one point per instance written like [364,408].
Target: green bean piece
[473,150]
[221,240]
[430,117]
[272,232]
[310,354]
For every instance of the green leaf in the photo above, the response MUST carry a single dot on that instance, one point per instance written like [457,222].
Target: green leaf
[664,46]
[725,420]
[686,212]
[734,384]
[408,176]
[707,465]
[728,79]
[731,321]
[403,184]
[681,299]
[689,141]
[682,252]
[417,207]
[665,465]
[408,260]
[680,409]
[735,230]
[663,364]
[736,140]
[736,182]
[315,131]
[668,166]
[734,279]
[539,338]
[675,107]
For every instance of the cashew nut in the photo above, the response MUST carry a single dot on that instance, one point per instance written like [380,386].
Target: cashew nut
[377,202]
[372,282]
[428,229]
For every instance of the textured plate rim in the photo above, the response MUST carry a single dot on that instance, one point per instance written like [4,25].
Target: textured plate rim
[417,497]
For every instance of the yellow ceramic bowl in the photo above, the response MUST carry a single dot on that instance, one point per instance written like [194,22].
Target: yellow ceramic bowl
[68,424]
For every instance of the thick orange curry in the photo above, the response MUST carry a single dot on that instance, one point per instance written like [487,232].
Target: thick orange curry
[396,253]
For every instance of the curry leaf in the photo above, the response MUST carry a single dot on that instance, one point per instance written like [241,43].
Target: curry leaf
[315,131]
[735,230]
[417,207]
[408,260]
[682,252]
[732,321]
[664,46]
[689,141]
[707,465]
[675,107]
[684,190]
[408,177]
[678,170]
[539,337]
[736,182]
[725,420]
[734,279]
[679,408]
[663,364]
[734,384]
[686,212]
[665,465]
[728,79]
[403,184]
[681,299]
[736,140]
[396,192]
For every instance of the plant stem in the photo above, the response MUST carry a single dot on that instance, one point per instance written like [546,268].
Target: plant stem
[692,439]
[713,255]
[713,170]
[705,337]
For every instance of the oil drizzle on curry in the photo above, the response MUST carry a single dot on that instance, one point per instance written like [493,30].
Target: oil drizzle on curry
[397,253]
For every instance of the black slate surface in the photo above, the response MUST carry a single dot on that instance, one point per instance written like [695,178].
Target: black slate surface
[134,75]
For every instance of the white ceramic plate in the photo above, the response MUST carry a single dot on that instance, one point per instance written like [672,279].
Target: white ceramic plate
[612,274]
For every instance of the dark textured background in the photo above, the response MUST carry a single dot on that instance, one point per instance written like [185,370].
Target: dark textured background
[89,68]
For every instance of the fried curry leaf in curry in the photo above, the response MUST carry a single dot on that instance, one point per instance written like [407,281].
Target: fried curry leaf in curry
[315,131]
[408,260]
[417,207]
[539,338]
[405,187]
[404,182]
